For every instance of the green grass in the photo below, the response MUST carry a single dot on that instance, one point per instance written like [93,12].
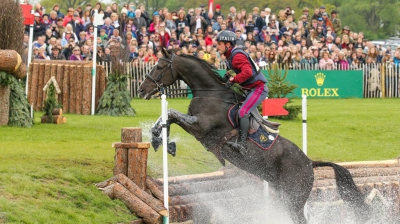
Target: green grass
[47,172]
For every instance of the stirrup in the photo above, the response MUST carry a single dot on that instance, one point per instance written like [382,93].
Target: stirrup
[242,147]
[238,146]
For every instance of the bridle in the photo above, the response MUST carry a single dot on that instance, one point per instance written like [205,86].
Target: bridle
[160,86]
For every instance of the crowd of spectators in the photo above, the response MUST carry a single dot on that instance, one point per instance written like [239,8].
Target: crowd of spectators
[311,39]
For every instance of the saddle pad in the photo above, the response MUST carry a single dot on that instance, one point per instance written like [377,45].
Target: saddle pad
[262,138]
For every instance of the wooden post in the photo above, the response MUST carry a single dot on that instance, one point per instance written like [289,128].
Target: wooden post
[65,89]
[79,86]
[72,89]
[87,90]
[40,84]
[131,156]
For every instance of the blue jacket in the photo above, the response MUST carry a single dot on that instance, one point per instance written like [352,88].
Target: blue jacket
[256,74]
[396,61]
[109,29]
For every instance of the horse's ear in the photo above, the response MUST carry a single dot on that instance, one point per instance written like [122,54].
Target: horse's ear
[165,52]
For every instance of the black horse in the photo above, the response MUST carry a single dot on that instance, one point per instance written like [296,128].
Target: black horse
[287,169]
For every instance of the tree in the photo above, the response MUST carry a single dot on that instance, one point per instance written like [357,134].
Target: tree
[64,5]
[279,87]
[116,99]
[12,31]
[377,19]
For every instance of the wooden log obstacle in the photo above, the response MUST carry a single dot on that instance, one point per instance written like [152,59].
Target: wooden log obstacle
[10,63]
[56,116]
[130,184]
[74,80]
[230,187]
[193,198]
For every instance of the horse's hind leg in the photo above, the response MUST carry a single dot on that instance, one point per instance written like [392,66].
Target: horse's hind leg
[296,183]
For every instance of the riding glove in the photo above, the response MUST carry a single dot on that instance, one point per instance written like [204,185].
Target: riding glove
[226,77]
[228,84]
[231,73]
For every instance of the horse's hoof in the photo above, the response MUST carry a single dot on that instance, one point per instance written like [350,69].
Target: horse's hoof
[237,146]
[156,131]
[156,142]
[171,148]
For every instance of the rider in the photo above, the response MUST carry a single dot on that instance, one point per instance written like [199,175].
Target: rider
[248,76]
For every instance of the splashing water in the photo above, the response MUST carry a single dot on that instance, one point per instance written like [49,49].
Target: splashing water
[242,200]
[146,126]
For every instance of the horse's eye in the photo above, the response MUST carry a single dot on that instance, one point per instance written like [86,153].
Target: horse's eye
[159,67]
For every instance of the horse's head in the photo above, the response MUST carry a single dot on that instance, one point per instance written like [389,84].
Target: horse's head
[160,76]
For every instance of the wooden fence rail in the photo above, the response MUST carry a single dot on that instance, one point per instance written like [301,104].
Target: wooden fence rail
[74,79]
[379,80]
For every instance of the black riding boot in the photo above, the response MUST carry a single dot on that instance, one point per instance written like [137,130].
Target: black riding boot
[244,130]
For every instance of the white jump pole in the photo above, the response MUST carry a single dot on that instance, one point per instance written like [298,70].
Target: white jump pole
[94,58]
[304,116]
[29,56]
[164,117]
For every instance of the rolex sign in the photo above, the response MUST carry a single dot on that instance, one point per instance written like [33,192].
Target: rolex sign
[326,83]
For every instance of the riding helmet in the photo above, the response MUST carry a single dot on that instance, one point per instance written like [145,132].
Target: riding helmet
[227,36]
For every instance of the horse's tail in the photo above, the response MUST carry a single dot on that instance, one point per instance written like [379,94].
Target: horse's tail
[348,189]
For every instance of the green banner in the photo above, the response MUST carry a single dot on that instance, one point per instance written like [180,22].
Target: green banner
[326,83]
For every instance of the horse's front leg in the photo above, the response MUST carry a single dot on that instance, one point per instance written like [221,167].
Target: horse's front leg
[183,120]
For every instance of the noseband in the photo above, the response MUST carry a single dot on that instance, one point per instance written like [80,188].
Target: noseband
[160,86]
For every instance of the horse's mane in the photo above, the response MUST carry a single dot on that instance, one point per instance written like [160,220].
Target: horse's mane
[210,68]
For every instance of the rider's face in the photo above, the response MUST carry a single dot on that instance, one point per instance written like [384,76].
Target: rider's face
[221,47]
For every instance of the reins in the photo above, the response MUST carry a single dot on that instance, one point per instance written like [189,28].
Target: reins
[161,88]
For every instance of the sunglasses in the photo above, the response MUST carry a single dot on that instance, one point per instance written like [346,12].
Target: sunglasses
[77,50]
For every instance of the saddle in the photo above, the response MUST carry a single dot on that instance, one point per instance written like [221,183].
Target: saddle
[256,120]
[262,132]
